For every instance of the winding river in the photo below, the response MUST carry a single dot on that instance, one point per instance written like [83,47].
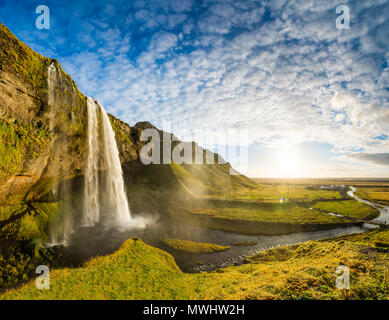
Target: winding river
[237,254]
[99,241]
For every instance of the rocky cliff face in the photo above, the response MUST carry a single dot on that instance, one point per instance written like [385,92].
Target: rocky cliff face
[42,123]
[43,127]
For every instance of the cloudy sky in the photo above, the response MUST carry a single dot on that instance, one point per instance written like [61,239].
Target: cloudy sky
[309,99]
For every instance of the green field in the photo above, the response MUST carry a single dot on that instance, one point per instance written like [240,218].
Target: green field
[263,211]
[273,192]
[349,208]
[305,271]
[192,247]
[377,195]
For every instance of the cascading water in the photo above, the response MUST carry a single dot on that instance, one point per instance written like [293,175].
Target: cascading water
[103,201]
[61,227]
[115,194]
[91,212]
[104,194]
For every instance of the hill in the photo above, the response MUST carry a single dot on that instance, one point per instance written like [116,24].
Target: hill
[305,271]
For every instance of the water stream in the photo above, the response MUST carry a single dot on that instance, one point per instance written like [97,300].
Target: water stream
[103,241]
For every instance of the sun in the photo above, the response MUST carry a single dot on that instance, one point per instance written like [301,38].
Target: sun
[289,163]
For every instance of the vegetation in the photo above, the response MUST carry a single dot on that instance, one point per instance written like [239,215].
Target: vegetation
[363,182]
[19,143]
[262,211]
[137,271]
[305,271]
[213,180]
[374,194]
[348,208]
[20,242]
[18,59]
[192,247]
[273,193]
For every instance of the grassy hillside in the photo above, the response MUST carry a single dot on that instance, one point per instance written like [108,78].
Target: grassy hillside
[306,271]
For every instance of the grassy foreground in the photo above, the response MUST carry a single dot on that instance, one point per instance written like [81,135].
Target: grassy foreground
[305,271]
[192,247]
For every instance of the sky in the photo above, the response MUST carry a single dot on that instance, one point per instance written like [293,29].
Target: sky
[278,78]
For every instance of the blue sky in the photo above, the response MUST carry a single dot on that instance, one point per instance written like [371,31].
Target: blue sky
[303,89]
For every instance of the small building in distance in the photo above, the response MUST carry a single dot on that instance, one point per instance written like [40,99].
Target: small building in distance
[333,187]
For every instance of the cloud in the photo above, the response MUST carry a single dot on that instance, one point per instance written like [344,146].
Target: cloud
[375,158]
[280,69]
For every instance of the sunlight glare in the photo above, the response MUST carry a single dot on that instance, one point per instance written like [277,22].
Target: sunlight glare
[289,163]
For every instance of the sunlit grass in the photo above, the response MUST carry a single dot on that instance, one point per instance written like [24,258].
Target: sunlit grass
[305,271]
[192,247]
[349,208]
[378,195]
[266,212]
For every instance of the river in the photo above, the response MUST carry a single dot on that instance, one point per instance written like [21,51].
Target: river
[98,241]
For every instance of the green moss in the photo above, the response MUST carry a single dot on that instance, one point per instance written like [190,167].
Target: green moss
[19,143]
[34,226]
[19,259]
[20,250]
[20,60]
[192,247]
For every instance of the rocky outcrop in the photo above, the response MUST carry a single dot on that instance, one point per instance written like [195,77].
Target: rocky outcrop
[43,127]
[42,123]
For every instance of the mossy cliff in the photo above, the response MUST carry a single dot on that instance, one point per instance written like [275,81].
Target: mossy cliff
[42,131]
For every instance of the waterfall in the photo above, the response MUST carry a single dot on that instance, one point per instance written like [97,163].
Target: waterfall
[105,198]
[91,212]
[61,227]
[114,184]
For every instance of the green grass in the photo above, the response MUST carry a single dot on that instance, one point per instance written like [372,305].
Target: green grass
[305,271]
[349,208]
[373,194]
[273,192]
[262,211]
[192,247]
[135,271]
[212,181]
